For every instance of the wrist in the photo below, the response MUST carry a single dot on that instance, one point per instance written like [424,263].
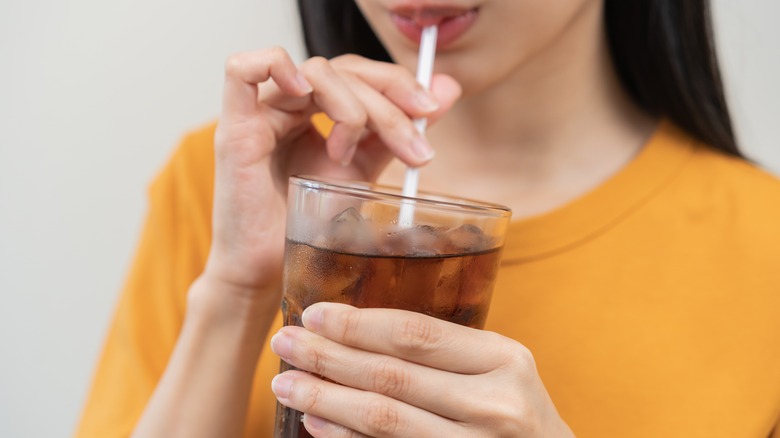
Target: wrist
[206,386]
[245,273]
[215,303]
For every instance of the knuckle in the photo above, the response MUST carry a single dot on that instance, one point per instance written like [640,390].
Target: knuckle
[276,52]
[493,338]
[346,60]
[511,417]
[381,418]
[347,433]
[234,64]
[312,399]
[397,121]
[316,64]
[521,357]
[240,62]
[416,333]
[525,422]
[516,355]
[404,77]
[356,118]
[317,361]
[349,322]
[389,379]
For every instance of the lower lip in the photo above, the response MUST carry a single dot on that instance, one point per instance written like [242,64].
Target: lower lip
[449,30]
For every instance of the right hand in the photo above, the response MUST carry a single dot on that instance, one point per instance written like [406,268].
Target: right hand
[265,135]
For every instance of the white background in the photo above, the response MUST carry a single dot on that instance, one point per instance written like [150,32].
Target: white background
[93,96]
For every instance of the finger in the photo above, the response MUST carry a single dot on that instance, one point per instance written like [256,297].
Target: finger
[401,87]
[339,103]
[320,427]
[392,125]
[373,157]
[410,336]
[270,94]
[384,115]
[430,389]
[446,91]
[365,412]
[244,71]
[393,81]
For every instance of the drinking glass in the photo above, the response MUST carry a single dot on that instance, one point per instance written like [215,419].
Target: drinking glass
[367,245]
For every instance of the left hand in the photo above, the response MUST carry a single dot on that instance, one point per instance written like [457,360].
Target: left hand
[404,374]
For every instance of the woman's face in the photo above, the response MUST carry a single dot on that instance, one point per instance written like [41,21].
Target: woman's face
[482,42]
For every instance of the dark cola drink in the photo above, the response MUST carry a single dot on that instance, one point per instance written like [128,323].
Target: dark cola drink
[447,274]
[369,246]
[455,288]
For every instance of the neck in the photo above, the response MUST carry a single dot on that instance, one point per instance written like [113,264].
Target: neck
[558,126]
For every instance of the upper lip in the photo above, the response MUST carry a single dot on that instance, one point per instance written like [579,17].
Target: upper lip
[429,15]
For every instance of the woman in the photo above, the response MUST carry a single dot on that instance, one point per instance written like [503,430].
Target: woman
[638,295]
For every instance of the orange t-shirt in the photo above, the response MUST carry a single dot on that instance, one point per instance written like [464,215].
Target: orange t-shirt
[651,304]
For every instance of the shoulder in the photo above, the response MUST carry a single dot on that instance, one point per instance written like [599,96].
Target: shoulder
[183,191]
[195,153]
[729,196]
[189,172]
[732,181]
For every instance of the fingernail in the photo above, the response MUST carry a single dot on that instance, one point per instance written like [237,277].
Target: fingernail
[303,84]
[425,102]
[281,385]
[421,148]
[349,155]
[312,318]
[315,422]
[281,344]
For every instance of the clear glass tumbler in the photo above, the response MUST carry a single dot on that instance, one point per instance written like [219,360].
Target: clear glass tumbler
[368,246]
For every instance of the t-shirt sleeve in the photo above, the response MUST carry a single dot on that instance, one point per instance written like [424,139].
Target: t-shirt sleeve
[171,254]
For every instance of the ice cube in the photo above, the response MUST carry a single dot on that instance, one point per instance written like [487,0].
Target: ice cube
[292,312]
[417,283]
[330,276]
[467,238]
[348,215]
[393,243]
[479,274]
[419,241]
[448,287]
[349,233]
[380,282]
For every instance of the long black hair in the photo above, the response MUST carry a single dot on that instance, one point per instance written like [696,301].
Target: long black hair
[663,51]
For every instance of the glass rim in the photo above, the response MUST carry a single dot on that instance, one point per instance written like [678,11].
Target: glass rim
[393,193]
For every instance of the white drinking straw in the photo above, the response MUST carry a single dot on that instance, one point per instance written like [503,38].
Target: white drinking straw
[424,74]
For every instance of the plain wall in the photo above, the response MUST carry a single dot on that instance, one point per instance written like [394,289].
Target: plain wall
[93,97]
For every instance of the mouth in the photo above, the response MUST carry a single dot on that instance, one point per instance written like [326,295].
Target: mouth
[452,22]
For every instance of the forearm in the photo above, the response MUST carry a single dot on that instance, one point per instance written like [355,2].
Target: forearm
[205,388]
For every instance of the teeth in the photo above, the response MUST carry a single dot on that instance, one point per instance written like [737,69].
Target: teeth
[431,13]
[423,20]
